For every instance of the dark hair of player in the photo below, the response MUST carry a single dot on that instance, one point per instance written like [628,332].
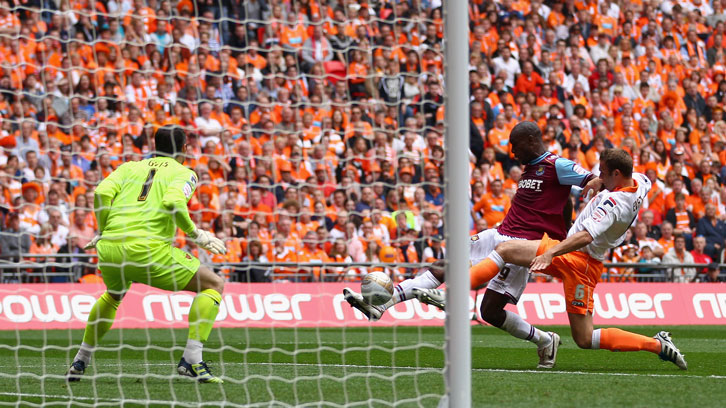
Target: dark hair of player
[618,159]
[170,141]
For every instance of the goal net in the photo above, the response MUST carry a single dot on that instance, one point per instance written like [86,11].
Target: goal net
[316,131]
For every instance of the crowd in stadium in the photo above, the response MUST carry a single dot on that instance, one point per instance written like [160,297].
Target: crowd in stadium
[316,127]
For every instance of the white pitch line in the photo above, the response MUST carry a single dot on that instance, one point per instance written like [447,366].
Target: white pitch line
[434,369]
[499,370]
[101,399]
[60,396]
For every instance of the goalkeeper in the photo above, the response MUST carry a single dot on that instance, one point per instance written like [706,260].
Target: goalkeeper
[138,208]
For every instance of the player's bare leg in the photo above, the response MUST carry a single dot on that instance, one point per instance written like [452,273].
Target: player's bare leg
[517,252]
[428,279]
[620,340]
[208,286]
[582,329]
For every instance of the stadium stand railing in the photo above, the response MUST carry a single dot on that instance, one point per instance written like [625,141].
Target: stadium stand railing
[54,271]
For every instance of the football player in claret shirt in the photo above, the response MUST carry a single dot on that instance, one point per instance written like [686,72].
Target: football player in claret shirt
[577,260]
[138,208]
[541,205]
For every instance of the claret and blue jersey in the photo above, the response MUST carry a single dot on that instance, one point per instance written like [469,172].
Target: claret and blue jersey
[542,193]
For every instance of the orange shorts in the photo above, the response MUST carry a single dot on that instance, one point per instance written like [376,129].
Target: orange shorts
[579,273]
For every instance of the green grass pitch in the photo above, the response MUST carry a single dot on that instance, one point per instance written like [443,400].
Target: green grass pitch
[338,367]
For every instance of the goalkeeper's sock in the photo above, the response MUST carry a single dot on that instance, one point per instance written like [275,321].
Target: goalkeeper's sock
[84,353]
[485,270]
[519,328]
[202,314]
[620,340]
[404,291]
[193,351]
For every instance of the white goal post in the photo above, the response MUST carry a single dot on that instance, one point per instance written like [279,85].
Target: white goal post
[458,324]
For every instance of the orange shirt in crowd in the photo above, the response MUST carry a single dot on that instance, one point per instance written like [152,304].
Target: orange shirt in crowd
[493,208]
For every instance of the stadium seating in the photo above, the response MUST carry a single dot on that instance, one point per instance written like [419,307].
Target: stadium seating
[305,116]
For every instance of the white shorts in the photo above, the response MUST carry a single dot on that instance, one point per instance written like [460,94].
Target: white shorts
[512,279]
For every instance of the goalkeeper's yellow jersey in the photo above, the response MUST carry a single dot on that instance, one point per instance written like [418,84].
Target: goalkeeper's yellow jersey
[145,195]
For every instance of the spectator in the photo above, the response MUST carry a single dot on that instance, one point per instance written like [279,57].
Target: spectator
[506,64]
[310,253]
[493,206]
[407,253]
[316,48]
[13,241]
[209,128]
[642,240]
[58,230]
[80,229]
[699,245]
[683,221]
[283,253]
[694,100]
[712,275]
[679,255]
[654,231]
[630,255]
[714,230]
[435,250]
[325,242]
[26,140]
[356,249]
[339,254]
[647,257]
[666,239]
[29,209]
[254,253]
[529,81]
[366,201]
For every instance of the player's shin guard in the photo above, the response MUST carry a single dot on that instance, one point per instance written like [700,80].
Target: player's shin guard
[620,340]
[99,323]
[485,270]
[404,291]
[202,314]
[519,328]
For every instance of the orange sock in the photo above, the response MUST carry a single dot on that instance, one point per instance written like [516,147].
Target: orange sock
[483,272]
[620,340]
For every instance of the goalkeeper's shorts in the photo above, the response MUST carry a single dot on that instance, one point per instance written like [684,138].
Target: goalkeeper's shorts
[154,263]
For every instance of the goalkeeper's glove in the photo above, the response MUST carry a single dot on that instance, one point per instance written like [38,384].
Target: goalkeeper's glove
[208,241]
[92,243]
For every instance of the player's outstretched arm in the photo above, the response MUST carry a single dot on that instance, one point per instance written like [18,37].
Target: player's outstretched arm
[572,243]
[175,201]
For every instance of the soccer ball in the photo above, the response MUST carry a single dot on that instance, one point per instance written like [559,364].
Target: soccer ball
[377,288]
